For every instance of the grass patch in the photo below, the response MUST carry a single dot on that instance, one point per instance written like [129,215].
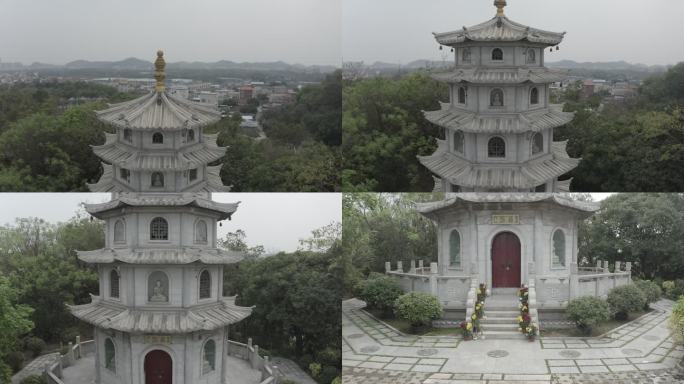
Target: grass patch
[404,326]
[598,330]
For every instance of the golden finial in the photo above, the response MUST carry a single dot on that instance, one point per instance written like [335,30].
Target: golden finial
[159,74]
[499,4]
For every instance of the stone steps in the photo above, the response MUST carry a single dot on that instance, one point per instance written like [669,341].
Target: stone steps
[502,335]
[502,316]
[499,320]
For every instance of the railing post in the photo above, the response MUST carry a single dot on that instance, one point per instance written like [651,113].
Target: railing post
[598,266]
[400,266]
[70,354]
[618,266]
[433,279]
[388,267]
[628,267]
[605,266]
[413,267]
[420,264]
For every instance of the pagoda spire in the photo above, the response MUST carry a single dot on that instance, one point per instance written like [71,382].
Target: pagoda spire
[159,74]
[499,4]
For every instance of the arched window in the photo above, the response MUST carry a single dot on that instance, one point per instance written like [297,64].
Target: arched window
[455,249]
[537,143]
[158,138]
[192,175]
[534,96]
[496,147]
[497,54]
[110,355]
[191,135]
[158,287]
[114,283]
[200,231]
[204,285]
[159,229]
[125,175]
[462,95]
[496,98]
[558,248]
[531,56]
[119,231]
[208,356]
[128,135]
[157,179]
[458,141]
[465,57]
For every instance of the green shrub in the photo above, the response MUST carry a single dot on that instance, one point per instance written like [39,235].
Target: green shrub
[674,289]
[676,321]
[69,335]
[305,361]
[329,356]
[315,370]
[587,311]
[34,379]
[328,374]
[650,289]
[15,360]
[418,308]
[35,344]
[625,299]
[338,380]
[380,292]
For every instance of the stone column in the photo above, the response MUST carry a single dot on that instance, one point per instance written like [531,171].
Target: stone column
[605,266]
[574,281]
[598,265]
[224,355]
[388,266]
[400,266]
[420,264]
[413,267]
[618,266]
[433,279]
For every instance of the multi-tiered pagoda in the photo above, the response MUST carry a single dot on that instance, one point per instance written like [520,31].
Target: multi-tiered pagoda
[499,122]
[161,316]
[159,145]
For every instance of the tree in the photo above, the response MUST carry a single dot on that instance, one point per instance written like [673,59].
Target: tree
[14,322]
[645,229]
[235,241]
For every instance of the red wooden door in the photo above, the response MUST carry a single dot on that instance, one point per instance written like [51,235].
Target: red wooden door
[158,368]
[506,261]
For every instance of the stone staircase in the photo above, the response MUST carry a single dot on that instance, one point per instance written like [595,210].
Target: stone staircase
[502,312]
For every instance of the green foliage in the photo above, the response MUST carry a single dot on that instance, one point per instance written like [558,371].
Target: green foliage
[587,311]
[418,308]
[384,130]
[40,262]
[380,292]
[646,229]
[625,299]
[673,289]
[384,227]
[315,370]
[15,360]
[651,290]
[328,375]
[34,379]
[676,321]
[337,380]
[35,344]
[235,241]
[14,322]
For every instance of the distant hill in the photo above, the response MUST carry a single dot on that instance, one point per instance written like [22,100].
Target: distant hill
[135,64]
[607,66]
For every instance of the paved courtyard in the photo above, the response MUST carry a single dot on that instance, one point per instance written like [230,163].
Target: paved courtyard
[638,352]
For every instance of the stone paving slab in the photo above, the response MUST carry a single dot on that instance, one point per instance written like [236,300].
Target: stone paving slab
[642,345]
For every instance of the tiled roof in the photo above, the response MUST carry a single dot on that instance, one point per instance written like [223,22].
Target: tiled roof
[190,157]
[163,200]
[213,180]
[159,110]
[459,171]
[161,256]
[515,75]
[207,317]
[523,197]
[460,119]
[499,29]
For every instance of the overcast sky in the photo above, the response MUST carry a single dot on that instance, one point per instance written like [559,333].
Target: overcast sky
[275,220]
[59,31]
[637,31]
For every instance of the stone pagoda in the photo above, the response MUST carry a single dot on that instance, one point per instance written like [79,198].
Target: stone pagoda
[159,145]
[161,316]
[499,122]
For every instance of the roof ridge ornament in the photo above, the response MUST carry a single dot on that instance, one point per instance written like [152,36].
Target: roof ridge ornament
[159,75]
[500,4]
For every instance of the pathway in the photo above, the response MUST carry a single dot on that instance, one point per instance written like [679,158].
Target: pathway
[291,371]
[35,367]
[376,353]
[81,372]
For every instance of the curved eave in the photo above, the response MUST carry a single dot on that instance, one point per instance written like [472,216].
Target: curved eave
[459,171]
[107,182]
[158,111]
[225,210]
[508,31]
[460,119]
[206,317]
[186,158]
[160,256]
[214,182]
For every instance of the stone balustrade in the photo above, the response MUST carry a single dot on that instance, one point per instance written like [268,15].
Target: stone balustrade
[452,291]
[532,302]
[554,291]
[53,372]
[250,353]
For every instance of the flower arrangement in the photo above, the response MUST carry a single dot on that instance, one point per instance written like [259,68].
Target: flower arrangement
[530,332]
[467,330]
[481,292]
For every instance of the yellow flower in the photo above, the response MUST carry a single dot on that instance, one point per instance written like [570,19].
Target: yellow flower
[524,308]
[479,292]
[469,326]
[526,293]
[519,329]
[474,316]
[529,329]
[519,319]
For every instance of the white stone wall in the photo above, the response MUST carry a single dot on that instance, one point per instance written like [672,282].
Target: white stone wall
[513,55]
[185,352]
